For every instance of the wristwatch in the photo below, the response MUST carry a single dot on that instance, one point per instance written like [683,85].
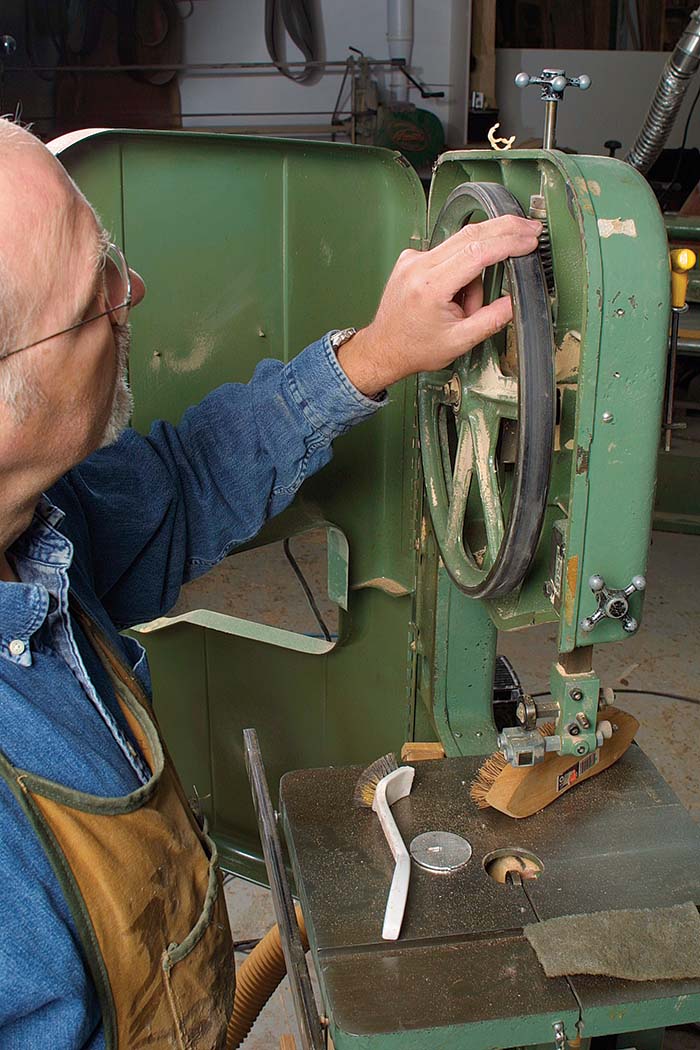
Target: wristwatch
[338,338]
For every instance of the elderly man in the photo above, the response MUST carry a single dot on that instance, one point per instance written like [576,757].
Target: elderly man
[114,931]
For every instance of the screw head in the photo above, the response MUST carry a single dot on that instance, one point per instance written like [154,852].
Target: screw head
[582,748]
[630,625]
[607,417]
[573,729]
[576,694]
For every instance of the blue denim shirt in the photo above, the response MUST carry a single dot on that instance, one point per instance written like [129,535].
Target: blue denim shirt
[136,520]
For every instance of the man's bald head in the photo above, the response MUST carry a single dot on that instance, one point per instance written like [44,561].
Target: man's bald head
[49,241]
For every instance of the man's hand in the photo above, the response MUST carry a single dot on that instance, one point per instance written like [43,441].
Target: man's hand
[422,323]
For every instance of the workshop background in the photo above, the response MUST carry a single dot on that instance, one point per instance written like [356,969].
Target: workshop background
[442,82]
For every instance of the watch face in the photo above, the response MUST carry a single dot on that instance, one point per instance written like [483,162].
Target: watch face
[338,338]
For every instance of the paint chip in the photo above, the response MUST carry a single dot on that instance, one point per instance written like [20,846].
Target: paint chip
[626,227]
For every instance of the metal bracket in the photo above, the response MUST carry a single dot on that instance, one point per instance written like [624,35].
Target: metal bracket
[526,747]
[559,1035]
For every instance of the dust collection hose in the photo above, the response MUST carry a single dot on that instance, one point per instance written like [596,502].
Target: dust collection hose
[668,98]
[257,979]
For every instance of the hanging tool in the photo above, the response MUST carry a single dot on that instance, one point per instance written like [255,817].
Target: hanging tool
[682,261]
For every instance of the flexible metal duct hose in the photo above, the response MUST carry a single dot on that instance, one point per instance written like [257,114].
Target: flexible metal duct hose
[256,980]
[670,92]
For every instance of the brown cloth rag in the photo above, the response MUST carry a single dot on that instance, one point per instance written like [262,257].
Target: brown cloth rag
[652,944]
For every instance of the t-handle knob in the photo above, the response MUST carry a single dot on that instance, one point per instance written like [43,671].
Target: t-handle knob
[554,83]
[613,603]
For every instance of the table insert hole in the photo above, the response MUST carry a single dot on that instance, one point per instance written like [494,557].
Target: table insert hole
[511,866]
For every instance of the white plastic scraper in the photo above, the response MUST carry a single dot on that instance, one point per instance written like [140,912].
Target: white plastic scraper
[390,789]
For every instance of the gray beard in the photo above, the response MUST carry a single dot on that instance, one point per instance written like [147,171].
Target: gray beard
[123,401]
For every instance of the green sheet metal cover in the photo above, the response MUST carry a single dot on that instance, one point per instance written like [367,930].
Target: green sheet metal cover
[253,248]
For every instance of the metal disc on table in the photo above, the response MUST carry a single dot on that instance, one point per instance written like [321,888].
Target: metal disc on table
[440,851]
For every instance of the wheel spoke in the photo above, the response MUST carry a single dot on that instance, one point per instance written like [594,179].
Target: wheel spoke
[484,430]
[460,484]
[492,386]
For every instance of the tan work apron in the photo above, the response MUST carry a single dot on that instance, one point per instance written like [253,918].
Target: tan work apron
[142,881]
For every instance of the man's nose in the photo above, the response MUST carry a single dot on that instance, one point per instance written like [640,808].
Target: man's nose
[138,287]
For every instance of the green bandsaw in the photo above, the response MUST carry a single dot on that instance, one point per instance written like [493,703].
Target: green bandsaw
[513,489]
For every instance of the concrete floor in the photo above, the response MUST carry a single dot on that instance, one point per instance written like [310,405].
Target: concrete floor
[665,655]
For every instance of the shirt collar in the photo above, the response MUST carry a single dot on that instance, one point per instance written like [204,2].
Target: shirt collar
[23,606]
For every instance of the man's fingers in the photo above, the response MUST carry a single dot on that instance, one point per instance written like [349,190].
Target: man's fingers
[460,269]
[484,323]
[481,231]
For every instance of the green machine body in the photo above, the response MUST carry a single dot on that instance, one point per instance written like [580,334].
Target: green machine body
[252,248]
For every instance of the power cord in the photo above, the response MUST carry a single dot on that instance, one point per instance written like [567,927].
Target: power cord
[640,692]
[307,591]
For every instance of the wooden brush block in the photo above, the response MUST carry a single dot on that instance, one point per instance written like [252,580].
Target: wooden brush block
[418,751]
[524,791]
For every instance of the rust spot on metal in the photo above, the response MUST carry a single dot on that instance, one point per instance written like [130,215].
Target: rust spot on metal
[582,457]
[567,356]
[599,297]
[571,578]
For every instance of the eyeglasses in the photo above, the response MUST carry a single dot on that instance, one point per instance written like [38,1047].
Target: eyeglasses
[117,294]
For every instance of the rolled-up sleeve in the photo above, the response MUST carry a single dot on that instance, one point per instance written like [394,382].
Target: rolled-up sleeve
[157,510]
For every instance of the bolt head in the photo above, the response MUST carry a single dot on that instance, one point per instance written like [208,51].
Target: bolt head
[573,729]
[576,694]
[607,417]
[630,625]
[582,748]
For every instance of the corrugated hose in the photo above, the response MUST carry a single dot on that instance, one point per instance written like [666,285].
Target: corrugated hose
[256,980]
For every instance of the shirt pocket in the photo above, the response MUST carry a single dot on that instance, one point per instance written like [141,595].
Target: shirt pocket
[199,973]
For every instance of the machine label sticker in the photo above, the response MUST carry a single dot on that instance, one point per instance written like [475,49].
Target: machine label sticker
[568,779]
